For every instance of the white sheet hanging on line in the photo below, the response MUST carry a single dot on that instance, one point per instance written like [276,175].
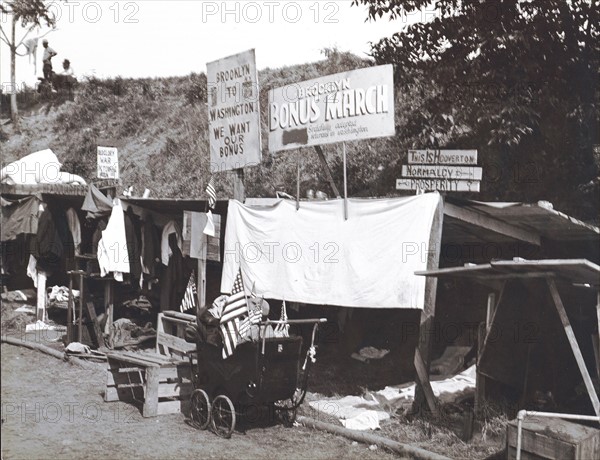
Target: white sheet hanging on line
[312,255]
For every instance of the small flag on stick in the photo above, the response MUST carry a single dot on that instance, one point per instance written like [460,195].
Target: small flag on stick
[212,194]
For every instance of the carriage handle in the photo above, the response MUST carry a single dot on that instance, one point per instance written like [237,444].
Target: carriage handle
[315,321]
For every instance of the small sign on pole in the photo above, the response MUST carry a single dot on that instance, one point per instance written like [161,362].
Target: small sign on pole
[441,170]
[108,163]
[442,157]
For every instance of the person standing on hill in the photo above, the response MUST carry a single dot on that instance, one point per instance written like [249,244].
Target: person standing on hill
[49,53]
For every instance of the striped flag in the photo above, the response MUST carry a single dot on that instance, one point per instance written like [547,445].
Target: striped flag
[189,297]
[254,317]
[212,194]
[234,308]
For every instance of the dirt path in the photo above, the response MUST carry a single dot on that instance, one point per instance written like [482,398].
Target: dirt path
[51,409]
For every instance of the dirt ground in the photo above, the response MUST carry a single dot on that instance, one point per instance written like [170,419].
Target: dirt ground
[53,409]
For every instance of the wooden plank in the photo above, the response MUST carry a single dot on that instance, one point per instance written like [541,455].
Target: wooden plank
[489,223]
[150,408]
[155,360]
[97,335]
[574,345]
[441,185]
[455,157]
[491,307]
[117,378]
[47,189]
[554,439]
[172,407]
[112,356]
[479,377]
[443,172]
[323,161]
[422,355]
[202,276]
[423,379]
[175,389]
[178,316]
[174,343]
[41,296]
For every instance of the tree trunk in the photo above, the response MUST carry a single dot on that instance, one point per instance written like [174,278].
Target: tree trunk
[14,111]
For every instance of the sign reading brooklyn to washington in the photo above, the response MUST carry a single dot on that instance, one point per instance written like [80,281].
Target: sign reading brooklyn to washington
[233,112]
[346,106]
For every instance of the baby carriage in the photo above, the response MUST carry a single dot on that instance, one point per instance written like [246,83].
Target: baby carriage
[268,372]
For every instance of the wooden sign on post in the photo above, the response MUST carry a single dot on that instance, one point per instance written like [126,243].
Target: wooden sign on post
[441,170]
[108,163]
[233,112]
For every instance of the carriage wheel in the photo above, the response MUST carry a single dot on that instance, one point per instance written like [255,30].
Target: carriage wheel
[223,416]
[200,409]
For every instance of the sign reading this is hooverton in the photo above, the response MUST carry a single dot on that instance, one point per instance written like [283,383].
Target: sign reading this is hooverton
[346,106]
[233,112]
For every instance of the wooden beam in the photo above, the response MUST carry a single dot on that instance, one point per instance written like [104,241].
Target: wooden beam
[489,223]
[321,155]
[202,272]
[423,376]
[423,386]
[41,296]
[574,345]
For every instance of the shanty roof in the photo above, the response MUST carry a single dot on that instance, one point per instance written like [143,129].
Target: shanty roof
[43,189]
[578,271]
[512,221]
[174,205]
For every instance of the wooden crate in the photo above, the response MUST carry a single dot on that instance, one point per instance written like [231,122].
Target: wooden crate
[159,382]
[550,438]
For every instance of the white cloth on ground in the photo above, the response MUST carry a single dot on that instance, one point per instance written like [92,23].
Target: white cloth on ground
[112,247]
[312,255]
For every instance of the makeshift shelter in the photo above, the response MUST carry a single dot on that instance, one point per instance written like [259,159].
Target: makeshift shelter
[456,232]
[526,289]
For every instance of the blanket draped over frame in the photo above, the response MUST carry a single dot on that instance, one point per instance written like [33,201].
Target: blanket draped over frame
[312,255]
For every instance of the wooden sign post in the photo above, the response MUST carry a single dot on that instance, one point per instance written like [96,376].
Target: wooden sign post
[441,170]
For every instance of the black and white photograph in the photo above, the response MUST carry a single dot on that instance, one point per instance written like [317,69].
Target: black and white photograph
[311,229]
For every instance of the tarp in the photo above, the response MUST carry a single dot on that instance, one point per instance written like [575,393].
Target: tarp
[312,255]
[20,217]
[40,167]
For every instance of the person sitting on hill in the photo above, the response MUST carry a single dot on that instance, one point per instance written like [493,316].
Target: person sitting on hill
[68,70]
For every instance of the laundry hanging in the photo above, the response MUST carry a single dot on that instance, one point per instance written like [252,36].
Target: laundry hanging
[312,255]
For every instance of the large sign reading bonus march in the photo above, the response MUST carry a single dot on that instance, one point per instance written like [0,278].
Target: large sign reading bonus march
[233,112]
[353,105]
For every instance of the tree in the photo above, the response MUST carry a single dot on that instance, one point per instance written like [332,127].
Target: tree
[515,79]
[31,14]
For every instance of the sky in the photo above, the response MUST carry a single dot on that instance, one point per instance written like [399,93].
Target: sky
[159,38]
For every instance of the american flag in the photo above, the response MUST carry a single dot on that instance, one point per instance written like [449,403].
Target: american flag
[254,317]
[189,297]
[212,194]
[235,307]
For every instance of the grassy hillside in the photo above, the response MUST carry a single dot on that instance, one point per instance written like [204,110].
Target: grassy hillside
[161,126]
[161,129]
